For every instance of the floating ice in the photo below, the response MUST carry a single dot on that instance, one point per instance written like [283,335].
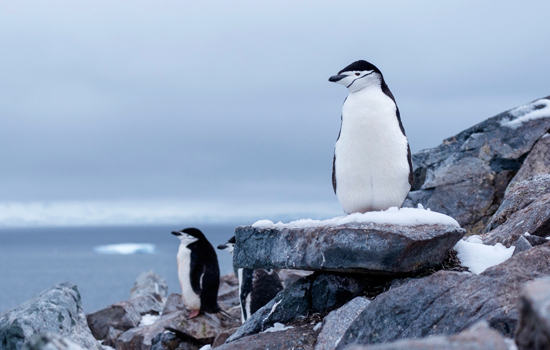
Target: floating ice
[478,257]
[395,216]
[277,327]
[126,248]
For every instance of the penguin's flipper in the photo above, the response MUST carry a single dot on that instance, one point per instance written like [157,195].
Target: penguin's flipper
[197,271]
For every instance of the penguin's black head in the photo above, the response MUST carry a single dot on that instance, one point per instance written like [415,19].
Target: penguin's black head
[358,75]
[189,235]
[229,245]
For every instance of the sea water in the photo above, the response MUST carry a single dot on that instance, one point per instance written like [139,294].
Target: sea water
[99,260]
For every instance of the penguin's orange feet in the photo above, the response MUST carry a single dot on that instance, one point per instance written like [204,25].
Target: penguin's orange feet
[193,314]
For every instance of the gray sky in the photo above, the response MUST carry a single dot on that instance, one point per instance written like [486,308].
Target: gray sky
[223,109]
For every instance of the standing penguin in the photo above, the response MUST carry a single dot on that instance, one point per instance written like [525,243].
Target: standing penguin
[372,168]
[256,287]
[198,272]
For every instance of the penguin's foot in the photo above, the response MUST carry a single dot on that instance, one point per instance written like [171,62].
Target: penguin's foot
[193,314]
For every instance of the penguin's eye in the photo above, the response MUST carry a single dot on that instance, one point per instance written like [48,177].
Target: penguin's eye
[357,74]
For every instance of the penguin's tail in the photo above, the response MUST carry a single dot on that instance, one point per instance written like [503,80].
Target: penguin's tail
[223,316]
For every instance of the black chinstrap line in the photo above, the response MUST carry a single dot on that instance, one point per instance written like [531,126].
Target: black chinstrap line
[366,75]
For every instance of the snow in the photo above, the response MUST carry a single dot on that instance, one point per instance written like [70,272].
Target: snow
[126,248]
[206,347]
[148,319]
[395,216]
[478,257]
[527,112]
[317,326]
[277,327]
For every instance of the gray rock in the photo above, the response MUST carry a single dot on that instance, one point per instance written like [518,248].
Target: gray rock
[337,322]
[533,331]
[466,176]
[449,302]
[354,247]
[123,315]
[149,283]
[56,310]
[174,303]
[478,337]
[297,338]
[172,341]
[50,341]
[521,245]
[536,163]
[526,209]
[535,240]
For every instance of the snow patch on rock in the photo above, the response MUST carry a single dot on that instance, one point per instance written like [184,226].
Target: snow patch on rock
[478,257]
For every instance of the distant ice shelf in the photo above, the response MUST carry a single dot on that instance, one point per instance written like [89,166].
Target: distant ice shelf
[126,248]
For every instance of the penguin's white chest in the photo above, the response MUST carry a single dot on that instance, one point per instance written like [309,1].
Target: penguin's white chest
[190,298]
[371,164]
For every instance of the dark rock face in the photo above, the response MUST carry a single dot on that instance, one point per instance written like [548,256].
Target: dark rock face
[57,310]
[298,338]
[536,163]
[449,302]
[526,208]
[521,245]
[466,176]
[149,283]
[355,247]
[479,337]
[50,341]
[123,315]
[337,322]
[533,331]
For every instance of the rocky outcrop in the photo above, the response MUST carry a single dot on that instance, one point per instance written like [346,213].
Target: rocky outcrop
[57,310]
[533,331]
[449,302]
[478,337]
[525,208]
[364,247]
[536,163]
[149,283]
[50,341]
[466,176]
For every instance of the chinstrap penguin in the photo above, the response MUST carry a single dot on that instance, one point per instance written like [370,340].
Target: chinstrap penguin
[256,287]
[372,168]
[198,272]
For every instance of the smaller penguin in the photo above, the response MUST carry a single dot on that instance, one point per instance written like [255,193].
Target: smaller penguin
[198,272]
[256,287]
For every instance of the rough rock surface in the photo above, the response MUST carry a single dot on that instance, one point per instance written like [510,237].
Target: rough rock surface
[123,315]
[449,302]
[466,176]
[534,305]
[521,245]
[56,310]
[297,338]
[478,337]
[50,341]
[149,283]
[536,163]
[337,322]
[355,247]
[526,208]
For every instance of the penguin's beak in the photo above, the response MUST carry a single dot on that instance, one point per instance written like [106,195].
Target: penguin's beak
[222,246]
[176,233]
[336,78]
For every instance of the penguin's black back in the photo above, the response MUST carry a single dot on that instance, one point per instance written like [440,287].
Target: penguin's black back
[204,263]
[261,285]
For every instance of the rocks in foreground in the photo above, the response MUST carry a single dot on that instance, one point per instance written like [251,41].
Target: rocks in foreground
[50,341]
[57,310]
[149,283]
[393,242]
[534,327]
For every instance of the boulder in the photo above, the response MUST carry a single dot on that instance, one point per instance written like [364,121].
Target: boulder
[56,310]
[149,283]
[526,208]
[449,302]
[478,337]
[466,176]
[337,322]
[536,163]
[533,331]
[364,246]
[50,341]
[521,245]
[123,315]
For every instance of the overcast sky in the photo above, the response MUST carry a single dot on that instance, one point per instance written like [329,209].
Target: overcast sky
[148,111]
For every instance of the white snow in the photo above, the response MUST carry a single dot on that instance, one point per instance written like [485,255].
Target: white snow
[126,248]
[277,327]
[317,326]
[206,347]
[478,257]
[148,319]
[403,216]
[528,112]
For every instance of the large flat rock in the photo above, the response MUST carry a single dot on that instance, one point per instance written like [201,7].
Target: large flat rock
[394,242]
